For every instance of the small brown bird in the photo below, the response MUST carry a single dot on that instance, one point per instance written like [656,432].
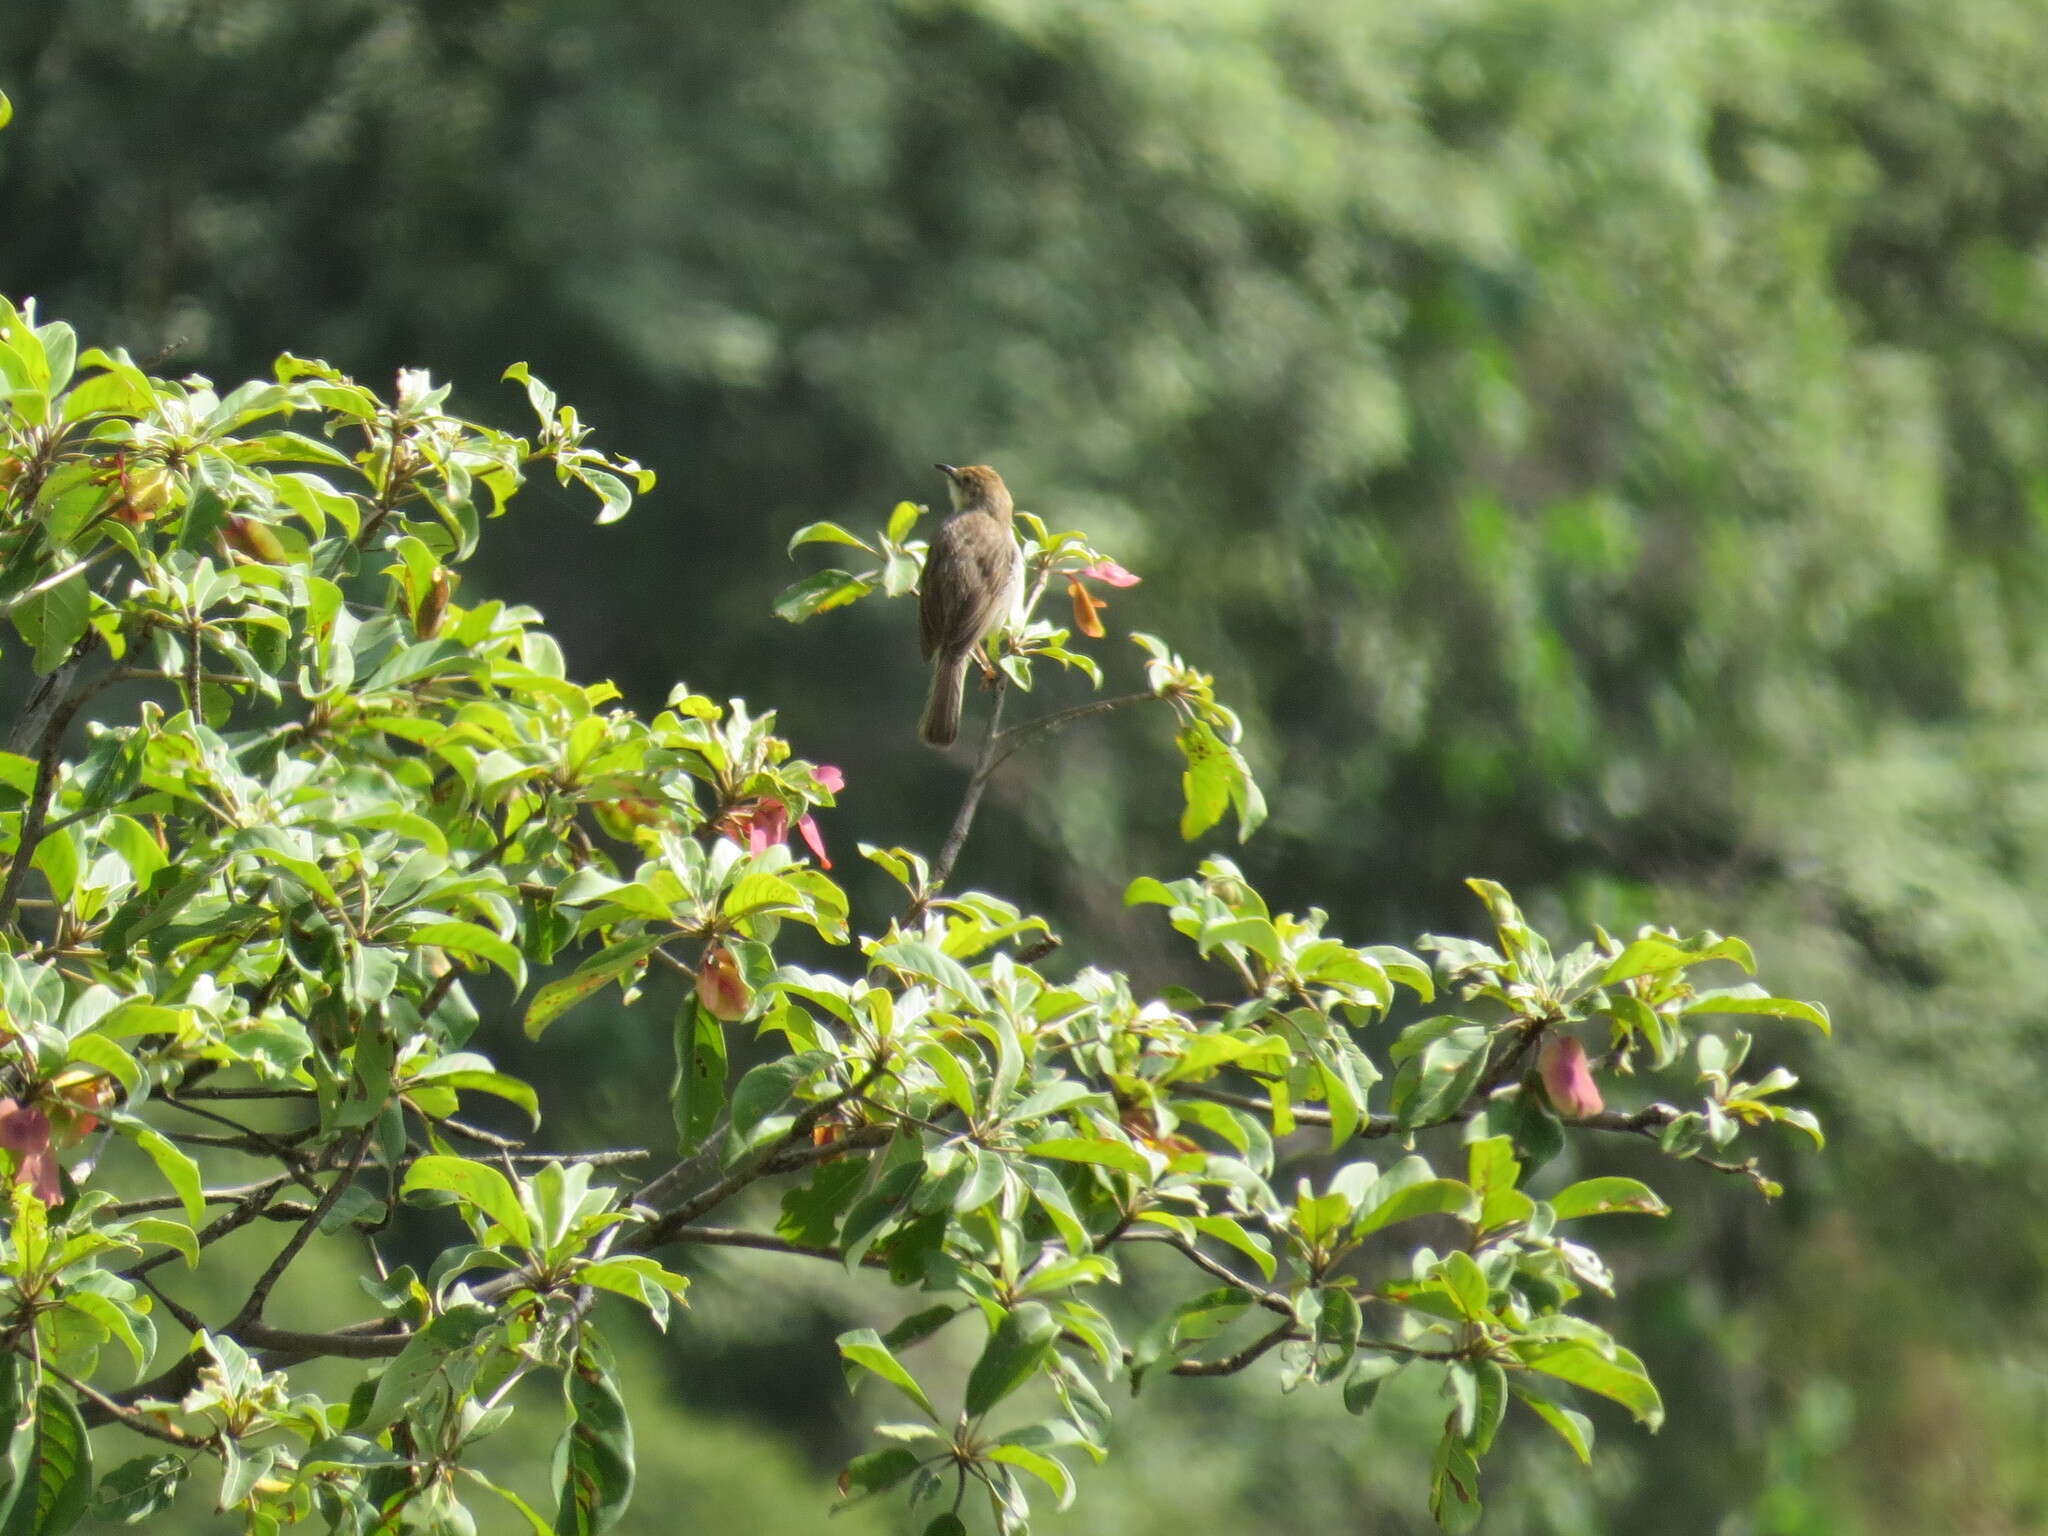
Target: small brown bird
[972,580]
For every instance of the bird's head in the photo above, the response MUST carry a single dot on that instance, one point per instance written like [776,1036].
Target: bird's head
[976,488]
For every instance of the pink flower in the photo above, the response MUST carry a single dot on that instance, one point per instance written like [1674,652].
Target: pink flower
[1109,571]
[761,824]
[26,1133]
[1568,1078]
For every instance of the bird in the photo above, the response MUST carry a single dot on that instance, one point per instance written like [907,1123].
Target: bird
[972,580]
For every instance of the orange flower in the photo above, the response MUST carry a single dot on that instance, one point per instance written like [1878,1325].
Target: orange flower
[1087,609]
[80,1094]
[1087,606]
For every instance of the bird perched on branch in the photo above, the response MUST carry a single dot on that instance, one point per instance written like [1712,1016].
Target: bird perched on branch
[972,580]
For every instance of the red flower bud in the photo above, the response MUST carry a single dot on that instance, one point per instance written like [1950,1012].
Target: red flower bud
[1568,1078]
[434,604]
[720,987]
[255,538]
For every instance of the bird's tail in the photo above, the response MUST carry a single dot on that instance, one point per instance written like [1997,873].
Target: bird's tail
[941,722]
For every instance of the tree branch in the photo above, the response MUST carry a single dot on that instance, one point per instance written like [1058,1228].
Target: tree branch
[252,1308]
[111,1411]
[963,820]
[344,1344]
[38,809]
[769,1160]
[1230,1365]
[1647,1121]
[1020,735]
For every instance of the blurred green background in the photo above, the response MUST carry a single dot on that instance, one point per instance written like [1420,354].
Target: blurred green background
[1600,444]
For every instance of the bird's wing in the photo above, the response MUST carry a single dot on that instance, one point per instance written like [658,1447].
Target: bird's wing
[970,581]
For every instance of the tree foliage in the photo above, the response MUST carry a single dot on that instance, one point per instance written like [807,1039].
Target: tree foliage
[286,817]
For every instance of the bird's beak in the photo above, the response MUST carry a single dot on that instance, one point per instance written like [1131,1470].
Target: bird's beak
[950,471]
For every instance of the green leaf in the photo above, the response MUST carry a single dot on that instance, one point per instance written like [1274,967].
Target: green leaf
[137,1489]
[826,533]
[863,1347]
[559,996]
[475,940]
[476,1079]
[526,1511]
[1653,953]
[1621,1378]
[596,1458]
[1604,1196]
[1454,1486]
[927,962]
[697,1092]
[154,1229]
[1441,1077]
[1432,1197]
[179,1171]
[426,1354]
[1143,889]
[1047,1470]
[902,518]
[57,1483]
[1100,1151]
[1020,1345]
[821,592]
[62,613]
[1368,1374]
[876,1472]
[477,1185]
[1205,785]
[1751,998]
[1463,1279]
[1490,1404]
[1575,1428]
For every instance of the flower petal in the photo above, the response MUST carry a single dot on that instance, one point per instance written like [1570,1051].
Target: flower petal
[39,1171]
[26,1131]
[1087,610]
[809,828]
[1111,572]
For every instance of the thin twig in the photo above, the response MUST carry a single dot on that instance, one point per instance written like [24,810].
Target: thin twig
[130,1418]
[251,1207]
[1647,1121]
[1230,1365]
[1020,735]
[759,1164]
[343,1345]
[189,1320]
[38,809]
[252,1308]
[478,1134]
[1272,1301]
[963,821]
[148,1203]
